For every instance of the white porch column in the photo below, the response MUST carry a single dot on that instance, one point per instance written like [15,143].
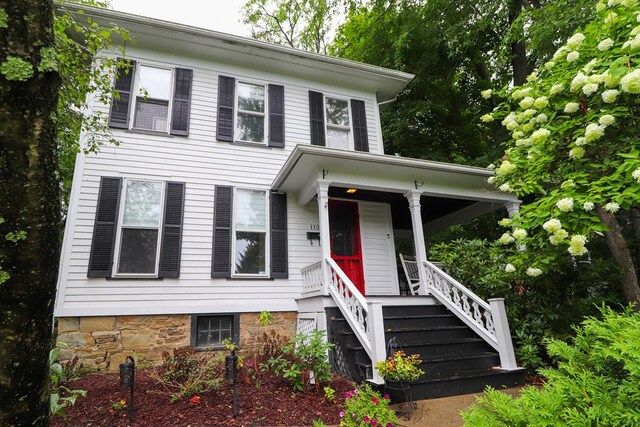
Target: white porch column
[413,196]
[503,335]
[513,208]
[325,237]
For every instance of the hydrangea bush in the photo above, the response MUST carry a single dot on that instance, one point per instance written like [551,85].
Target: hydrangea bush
[575,143]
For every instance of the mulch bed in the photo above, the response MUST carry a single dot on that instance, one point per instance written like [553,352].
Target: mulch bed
[265,400]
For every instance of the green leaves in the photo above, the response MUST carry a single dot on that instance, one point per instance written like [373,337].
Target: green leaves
[14,68]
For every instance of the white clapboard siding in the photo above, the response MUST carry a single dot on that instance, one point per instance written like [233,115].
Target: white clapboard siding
[201,162]
[378,251]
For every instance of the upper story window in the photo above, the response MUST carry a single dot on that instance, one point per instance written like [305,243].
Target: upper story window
[250,113]
[138,228]
[338,123]
[152,98]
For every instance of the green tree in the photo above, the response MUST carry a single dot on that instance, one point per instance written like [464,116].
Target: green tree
[30,203]
[573,153]
[303,24]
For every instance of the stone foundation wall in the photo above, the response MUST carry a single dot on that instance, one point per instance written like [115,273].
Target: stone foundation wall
[102,343]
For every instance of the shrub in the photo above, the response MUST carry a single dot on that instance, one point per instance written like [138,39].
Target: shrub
[60,374]
[185,373]
[305,354]
[365,407]
[595,384]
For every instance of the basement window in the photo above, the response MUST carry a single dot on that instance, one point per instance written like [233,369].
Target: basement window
[208,332]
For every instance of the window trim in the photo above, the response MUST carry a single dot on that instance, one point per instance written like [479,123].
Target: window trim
[267,241]
[120,221]
[328,126]
[137,85]
[265,114]
[235,330]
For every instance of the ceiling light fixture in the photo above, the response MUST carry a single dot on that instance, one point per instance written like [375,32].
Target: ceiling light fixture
[351,190]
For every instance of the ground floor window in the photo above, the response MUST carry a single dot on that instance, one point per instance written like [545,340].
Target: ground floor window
[210,331]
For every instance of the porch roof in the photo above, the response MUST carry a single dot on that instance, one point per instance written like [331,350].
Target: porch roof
[450,193]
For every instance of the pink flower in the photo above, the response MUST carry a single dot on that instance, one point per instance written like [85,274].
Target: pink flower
[389,425]
[348,395]
[386,396]
[375,400]
[341,414]
[374,422]
[365,419]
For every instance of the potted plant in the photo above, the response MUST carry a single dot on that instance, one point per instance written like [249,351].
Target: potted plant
[399,370]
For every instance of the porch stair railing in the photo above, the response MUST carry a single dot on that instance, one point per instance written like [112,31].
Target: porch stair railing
[364,317]
[488,320]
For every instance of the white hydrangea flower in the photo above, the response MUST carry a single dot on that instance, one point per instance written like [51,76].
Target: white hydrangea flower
[521,93]
[629,3]
[532,77]
[487,118]
[576,153]
[609,80]
[528,113]
[636,175]
[605,44]
[612,207]
[491,166]
[610,95]
[607,120]
[576,245]
[578,81]
[575,40]
[571,107]
[505,239]
[519,233]
[594,131]
[581,141]
[589,89]
[527,102]
[610,18]
[533,272]
[505,222]
[566,204]
[517,135]
[509,268]
[486,94]
[587,68]
[552,225]
[568,184]
[631,82]
[542,118]
[525,142]
[556,89]
[573,56]
[612,3]
[506,167]
[491,179]
[540,135]
[504,187]
[588,206]
[549,65]
[560,52]
[600,6]
[596,78]
[541,102]
[558,237]
[511,117]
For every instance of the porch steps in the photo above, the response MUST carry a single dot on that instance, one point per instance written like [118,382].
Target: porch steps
[455,360]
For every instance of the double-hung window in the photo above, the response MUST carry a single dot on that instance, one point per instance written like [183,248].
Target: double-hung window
[139,234]
[250,232]
[338,123]
[250,112]
[152,98]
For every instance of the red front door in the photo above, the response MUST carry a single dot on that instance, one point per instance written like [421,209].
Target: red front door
[345,240]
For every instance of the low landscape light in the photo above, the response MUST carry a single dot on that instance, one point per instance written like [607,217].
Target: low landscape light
[128,379]
[231,366]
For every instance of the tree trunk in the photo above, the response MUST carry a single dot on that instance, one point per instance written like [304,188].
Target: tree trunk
[620,251]
[518,49]
[29,202]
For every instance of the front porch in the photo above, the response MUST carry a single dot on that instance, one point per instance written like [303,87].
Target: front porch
[371,208]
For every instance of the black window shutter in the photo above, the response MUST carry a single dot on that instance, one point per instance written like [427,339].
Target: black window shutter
[226,90]
[359,117]
[181,102]
[104,229]
[316,113]
[171,246]
[279,256]
[222,211]
[119,115]
[276,116]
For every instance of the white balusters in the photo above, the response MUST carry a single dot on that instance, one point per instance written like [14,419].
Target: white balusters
[312,278]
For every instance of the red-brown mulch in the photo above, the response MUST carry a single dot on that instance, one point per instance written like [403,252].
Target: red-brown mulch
[266,401]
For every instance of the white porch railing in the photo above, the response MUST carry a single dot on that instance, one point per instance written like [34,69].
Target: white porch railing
[488,320]
[312,279]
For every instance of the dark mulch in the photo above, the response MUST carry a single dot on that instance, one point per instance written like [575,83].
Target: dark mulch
[265,400]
